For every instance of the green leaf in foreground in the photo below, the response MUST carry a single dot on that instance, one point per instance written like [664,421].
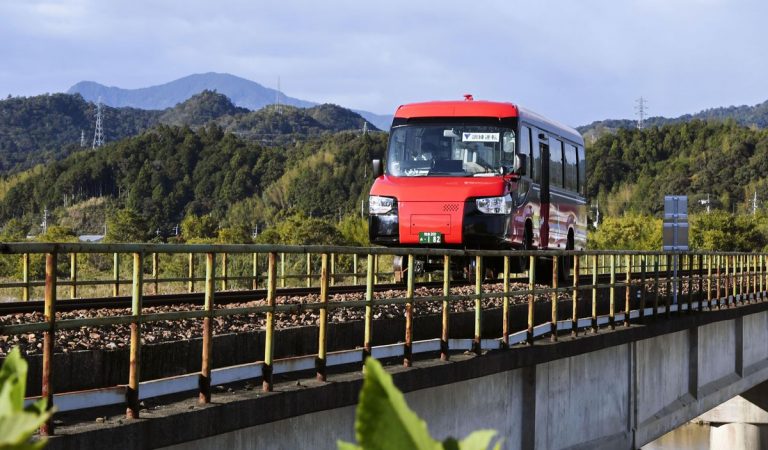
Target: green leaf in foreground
[384,420]
[17,424]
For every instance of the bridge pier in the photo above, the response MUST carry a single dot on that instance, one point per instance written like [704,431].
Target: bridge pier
[741,422]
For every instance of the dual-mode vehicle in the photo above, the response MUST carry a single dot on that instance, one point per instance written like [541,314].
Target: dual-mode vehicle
[478,175]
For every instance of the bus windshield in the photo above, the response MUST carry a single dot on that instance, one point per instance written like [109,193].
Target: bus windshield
[449,150]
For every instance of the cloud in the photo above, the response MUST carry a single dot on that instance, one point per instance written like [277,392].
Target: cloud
[576,61]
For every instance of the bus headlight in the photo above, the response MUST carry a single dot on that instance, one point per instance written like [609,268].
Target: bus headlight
[495,205]
[380,205]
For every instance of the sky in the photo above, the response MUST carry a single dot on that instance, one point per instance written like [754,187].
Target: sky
[575,61]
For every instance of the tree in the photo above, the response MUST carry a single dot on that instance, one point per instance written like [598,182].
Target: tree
[629,232]
[126,225]
[195,227]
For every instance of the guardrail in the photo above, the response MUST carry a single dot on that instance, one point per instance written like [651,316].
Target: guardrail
[698,280]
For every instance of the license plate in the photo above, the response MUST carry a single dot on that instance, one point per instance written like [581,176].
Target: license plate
[430,237]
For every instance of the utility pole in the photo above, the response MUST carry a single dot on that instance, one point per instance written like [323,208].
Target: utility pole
[82,138]
[706,202]
[597,213]
[641,109]
[754,204]
[365,127]
[277,98]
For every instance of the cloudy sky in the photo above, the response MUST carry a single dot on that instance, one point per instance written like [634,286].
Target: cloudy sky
[572,60]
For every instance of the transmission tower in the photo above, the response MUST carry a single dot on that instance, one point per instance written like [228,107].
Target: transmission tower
[98,135]
[641,108]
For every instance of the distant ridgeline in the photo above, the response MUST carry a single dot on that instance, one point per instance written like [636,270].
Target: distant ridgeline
[46,128]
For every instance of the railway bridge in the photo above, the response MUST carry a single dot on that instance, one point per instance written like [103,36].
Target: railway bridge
[626,347]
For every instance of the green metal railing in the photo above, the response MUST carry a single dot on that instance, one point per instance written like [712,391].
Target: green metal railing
[701,281]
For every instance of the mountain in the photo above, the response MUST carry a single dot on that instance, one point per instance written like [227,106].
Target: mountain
[45,128]
[243,93]
[748,116]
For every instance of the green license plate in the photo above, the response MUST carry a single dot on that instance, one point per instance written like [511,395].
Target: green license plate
[430,237]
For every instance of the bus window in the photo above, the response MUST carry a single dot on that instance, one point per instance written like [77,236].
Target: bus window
[571,176]
[555,163]
[525,147]
[536,172]
[582,172]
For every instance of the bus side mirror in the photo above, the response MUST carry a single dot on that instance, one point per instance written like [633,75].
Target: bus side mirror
[521,162]
[378,170]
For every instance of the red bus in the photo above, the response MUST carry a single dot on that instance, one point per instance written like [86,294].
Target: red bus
[479,175]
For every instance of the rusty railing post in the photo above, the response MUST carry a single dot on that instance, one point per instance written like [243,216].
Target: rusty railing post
[594,293]
[354,269]
[718,277]
[205,371]
[643,286]
[669,284]
[73,275]
[735,282]
[575,293]
[224,271]
[446,312]
[656,285]
[628,289]
[191,273]
[132,391]
[255,280]
[612,306]
[49,313]
[25,276]
[689,259]
[531,297]
[155,273]
[408,353]
[282,269]
[333,269]
[479,271]
[270,323]
[320,362]
[369,285]
[505,306]
[116,275]
[309,269]
[553,321]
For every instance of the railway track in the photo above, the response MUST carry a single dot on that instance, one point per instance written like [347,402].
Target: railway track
[229,297]
[195,298]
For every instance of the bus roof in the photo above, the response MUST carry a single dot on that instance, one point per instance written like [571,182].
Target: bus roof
[483,108]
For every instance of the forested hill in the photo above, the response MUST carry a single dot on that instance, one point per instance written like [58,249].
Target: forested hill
[46,128]
[632,170]
[168,173]
[748,116]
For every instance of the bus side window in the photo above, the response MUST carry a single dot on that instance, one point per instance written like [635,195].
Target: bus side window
[571,176]
[555,163]
[525,147]
[536,159]
[582,172]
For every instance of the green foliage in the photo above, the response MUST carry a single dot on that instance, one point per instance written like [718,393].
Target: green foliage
[18,424]
[195,227]
[384,421]
[632,170]
[720,231]
[354,230]
[126,225]
[302,230]
[629,232]
[56,233]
